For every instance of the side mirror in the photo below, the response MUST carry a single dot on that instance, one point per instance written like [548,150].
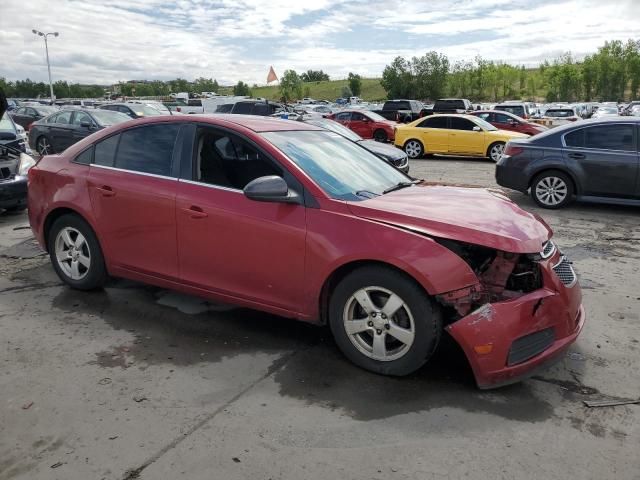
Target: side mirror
[477,129]
[271,188]
[513,122]
[86,124]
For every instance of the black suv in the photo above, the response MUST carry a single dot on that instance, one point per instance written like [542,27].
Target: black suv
[452,105]
[257,107]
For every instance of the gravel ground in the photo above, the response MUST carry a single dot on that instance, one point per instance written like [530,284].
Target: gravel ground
[138,382]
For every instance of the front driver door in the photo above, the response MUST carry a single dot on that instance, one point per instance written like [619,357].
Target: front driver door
[605,158]
[361,125]
[463,139]
[229,244]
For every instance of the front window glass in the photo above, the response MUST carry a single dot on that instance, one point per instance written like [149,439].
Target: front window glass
[343,169]
[485,125]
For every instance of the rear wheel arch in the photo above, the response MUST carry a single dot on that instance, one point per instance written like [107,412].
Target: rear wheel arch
[345,269]
[56,213]
[575,184]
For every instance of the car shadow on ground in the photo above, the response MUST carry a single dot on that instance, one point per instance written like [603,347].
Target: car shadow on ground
[313,371]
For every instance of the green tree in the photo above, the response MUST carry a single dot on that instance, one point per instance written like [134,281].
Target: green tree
[314,76]
[241,89]
[346,92]
[290,86]
[430,72]
[355,84]
[398,80]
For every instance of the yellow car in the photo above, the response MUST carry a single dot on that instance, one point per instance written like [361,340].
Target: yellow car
[453,135]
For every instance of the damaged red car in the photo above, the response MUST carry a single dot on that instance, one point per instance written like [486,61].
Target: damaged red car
[291,219]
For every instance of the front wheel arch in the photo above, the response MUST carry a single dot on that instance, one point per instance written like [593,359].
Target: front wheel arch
[345,269]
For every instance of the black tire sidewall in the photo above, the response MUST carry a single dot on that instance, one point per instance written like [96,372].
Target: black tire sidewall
[491,148]
[426,317]
[380,136]
[421,148]
[97,275]
[552,173]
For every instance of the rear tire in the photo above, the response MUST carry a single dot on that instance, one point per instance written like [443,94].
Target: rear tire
[383,321]
[414,149]
[552,189]
[75,253]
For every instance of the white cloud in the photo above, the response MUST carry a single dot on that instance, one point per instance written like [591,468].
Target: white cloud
[233,40]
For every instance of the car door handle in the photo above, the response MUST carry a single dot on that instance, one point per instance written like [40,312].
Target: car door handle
[195,212]
[106,191]
[577,156]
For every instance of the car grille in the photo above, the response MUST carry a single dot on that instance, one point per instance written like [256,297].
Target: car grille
[547,249]
[565,272]
[530,345]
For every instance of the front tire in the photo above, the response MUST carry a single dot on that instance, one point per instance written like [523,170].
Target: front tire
[380,136]
[495,151]
[552,189]
[75,253]
[383,321]
[414,149]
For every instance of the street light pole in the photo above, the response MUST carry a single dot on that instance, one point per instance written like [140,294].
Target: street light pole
[46,48]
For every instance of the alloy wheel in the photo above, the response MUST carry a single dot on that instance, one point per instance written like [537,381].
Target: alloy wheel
[496,152]
[413,149]
[43,147]
[72,253]
[551,191]
[379,323]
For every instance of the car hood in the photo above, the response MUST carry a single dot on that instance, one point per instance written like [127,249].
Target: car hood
[384,150]
[473,215]
[506,134]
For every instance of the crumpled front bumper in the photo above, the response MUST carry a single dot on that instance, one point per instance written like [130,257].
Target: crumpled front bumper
[487,335]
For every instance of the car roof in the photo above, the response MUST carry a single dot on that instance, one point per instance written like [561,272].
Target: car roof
[501,112]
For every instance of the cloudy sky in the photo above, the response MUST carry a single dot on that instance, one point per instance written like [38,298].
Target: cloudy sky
[105,41]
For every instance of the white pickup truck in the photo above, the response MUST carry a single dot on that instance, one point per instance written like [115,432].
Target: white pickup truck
[204,105]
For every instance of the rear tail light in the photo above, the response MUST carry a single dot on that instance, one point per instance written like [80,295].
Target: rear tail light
[29,127]
[178,109]
[573,119]
[512,150]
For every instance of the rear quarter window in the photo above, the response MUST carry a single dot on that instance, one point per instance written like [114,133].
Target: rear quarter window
[105,151]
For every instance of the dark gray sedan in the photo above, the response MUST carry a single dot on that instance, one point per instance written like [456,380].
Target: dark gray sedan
[594,160]
[55,133]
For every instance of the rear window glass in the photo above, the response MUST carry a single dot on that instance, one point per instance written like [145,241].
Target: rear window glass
[147,149]
[85,157]
[449,105]
[514,109]
[105,150]
[397,105]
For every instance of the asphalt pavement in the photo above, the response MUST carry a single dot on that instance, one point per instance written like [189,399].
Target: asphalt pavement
[138,382]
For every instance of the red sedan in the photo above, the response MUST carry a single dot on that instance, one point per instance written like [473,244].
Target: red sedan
[509,121]
[295,220]
[366,124]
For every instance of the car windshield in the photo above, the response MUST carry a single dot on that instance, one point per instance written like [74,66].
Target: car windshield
[336,127]
[484,124]
[374,116]
[343,169]
[6,124]
[160,107]
[44,111]
[141,109]
[560,113]
[608,110]
[106,118]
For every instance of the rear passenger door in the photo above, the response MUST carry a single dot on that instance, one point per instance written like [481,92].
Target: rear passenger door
[132,186]
[605,159]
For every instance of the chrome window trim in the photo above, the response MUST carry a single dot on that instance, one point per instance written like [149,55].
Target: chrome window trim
[210,185]
[133,171]
[627,152]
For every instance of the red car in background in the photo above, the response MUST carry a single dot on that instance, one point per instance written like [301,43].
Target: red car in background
[367,124]
[291,219]
[509,121]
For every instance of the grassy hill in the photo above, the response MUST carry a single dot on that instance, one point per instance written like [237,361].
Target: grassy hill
[371,90]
